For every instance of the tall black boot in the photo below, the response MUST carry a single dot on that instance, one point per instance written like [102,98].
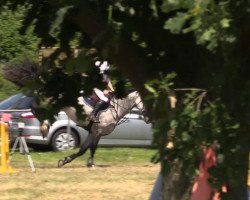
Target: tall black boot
[101,105]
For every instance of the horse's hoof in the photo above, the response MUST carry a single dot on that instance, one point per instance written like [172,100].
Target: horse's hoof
[90,165]
[60,163]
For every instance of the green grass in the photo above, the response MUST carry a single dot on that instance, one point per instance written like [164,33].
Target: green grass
[120,173]
[103,156]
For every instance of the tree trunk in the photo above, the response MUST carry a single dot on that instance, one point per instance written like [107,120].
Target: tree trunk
[176,185]
[237,189]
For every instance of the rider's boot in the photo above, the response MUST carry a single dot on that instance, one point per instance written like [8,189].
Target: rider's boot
[101,105]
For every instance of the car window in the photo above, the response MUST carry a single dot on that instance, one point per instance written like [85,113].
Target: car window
[10,101]
[23,103]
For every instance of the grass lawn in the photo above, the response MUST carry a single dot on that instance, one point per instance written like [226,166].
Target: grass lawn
[103,156]
[120,173]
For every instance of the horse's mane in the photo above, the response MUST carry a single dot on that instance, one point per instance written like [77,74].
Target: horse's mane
[125,94]
[129,91]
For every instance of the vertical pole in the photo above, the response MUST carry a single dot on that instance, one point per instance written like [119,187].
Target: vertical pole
[5,164]
[248,178]
[26,150]
[23,148]
[3,147]
[68,132]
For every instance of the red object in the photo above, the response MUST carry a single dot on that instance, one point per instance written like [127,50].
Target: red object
[6,117]
[201,189]
[28,115]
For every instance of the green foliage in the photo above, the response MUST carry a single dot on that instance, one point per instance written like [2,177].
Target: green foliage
[206,43]
[7,88]
[209,30]
[212,126]
[14,45]
[190,130]
[157,100]
[21,72]
[195,123]
[161,85]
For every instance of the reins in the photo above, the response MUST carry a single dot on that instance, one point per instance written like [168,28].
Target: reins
[116,105]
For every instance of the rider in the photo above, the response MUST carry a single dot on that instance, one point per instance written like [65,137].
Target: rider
[102,97]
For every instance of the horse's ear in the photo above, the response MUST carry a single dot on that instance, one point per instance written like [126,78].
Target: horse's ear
[146,119]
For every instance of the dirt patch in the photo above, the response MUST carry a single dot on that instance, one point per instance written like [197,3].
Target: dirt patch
[118,182]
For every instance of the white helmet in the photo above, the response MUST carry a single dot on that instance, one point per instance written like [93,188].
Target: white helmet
[102,66]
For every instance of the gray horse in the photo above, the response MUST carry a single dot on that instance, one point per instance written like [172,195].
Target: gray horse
[107,121]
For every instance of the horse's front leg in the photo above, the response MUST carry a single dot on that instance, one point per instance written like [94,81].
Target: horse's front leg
[81,151]
[93,146]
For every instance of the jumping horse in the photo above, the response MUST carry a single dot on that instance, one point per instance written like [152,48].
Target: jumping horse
[107,121]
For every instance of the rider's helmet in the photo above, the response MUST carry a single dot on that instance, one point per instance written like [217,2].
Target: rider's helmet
[104,69]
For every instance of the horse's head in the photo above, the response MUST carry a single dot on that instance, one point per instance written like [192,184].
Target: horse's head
[125,105]
[145,117]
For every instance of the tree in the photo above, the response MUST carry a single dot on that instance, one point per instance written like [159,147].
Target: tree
[8,88]
[13,44]
[14,47]
[204,42]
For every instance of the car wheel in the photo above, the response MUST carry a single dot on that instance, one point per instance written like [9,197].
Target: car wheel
[62,140]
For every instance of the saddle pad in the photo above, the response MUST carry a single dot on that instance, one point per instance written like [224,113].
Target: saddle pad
[89,101]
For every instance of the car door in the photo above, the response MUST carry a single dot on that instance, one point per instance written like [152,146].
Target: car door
[132,127]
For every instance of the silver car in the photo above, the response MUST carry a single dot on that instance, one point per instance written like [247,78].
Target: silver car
[64,133]
[19,108]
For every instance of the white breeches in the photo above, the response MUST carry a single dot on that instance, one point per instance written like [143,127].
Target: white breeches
[100,94]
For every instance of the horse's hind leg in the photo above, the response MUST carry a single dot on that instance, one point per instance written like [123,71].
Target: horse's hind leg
[81,151]
[93,146]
